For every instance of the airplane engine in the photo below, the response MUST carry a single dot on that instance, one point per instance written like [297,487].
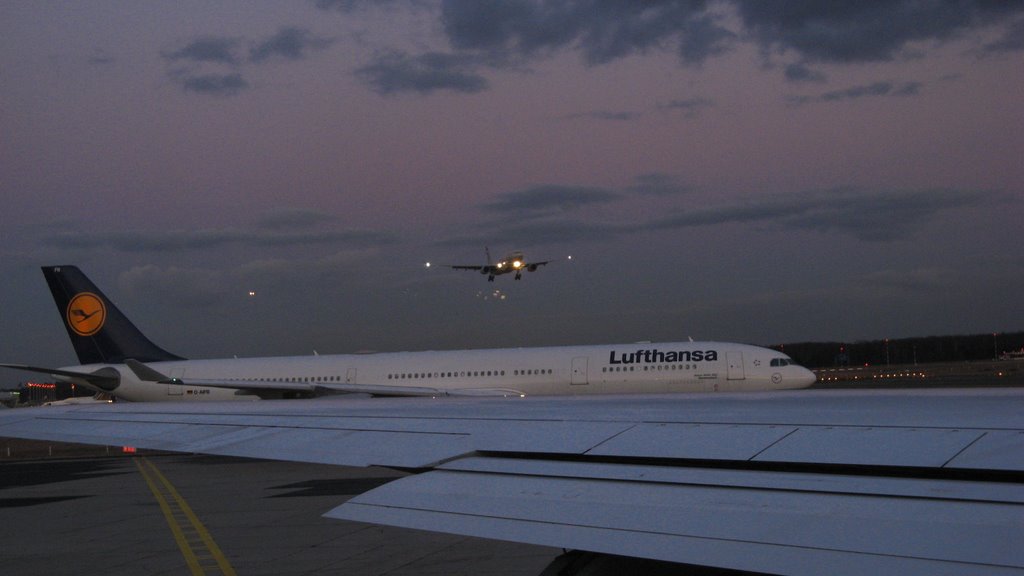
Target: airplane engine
[532,267]
[107,379]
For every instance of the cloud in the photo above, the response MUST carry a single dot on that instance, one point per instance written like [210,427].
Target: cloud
[397,72]
[181,286]
[854,31]
[551,213]
[549,199]
[100,57]
[874,216]
[214,65]
[492,34]
[211,49]
[349,6]
[226,288]
[289,218]
[555,213]
[212,84]
[799,72]
[288,43]
[526,232]
[690,107]
[1011,41]
[701,38]
[602,31]
[190,240]
[876,89]
[912,280]
[605,115]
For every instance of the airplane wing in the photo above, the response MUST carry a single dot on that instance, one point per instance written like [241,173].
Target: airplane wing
[103,378]
[796,482]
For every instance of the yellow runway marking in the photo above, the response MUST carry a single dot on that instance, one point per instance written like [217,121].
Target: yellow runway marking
[201,553]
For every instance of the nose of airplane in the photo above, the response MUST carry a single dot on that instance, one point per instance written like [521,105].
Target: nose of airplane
[806,377]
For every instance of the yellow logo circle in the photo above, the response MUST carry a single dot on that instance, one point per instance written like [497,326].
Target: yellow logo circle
[86,314]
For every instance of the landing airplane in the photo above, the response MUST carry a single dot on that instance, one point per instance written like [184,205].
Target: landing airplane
[513,262]
[117,358]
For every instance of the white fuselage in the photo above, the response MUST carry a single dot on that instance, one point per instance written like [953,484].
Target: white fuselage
[568,370]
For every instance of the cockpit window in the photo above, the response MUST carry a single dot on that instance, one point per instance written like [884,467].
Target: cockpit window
[783,362]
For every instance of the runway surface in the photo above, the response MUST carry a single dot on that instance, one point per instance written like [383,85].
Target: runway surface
[184,514]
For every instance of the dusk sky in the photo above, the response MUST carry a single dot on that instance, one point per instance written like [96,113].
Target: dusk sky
[739,170]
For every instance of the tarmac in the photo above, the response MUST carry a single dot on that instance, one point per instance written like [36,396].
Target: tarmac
[163,514]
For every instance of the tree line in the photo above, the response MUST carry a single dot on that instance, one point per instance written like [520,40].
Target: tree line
[904,350]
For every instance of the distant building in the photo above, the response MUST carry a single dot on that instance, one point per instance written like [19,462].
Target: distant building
[1013,355]
[36,393]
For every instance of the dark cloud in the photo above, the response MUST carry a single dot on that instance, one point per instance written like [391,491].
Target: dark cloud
[285,219]
[398,72]
[213,65]
[189,240]
[288,43]
[559,231]
[549,213]
[1011,41]
[348,6]
[528,232]
[605,115]
[207,65]
[549,199]
[212,84]
[500,34]
[602,31]
[799,72]
[880,216]
[210,49]
[876,89]
[556,214]
[178,286]
[857,31]
[869,216]
[690,107]
[100,57]
[701,38]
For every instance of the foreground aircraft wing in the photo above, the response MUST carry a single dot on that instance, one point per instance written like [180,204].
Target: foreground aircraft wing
[802,482]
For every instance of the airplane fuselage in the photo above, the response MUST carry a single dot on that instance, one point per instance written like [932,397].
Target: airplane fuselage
[568,370]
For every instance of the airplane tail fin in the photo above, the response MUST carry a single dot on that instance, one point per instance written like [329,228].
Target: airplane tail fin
[100,333]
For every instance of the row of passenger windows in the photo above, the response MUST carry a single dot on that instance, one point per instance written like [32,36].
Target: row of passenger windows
[468,374]
[411,376]
[658,368]
[293,379]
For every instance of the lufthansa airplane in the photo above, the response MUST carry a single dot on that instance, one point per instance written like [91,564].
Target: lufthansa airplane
[117,358]
[513,263]
[795,482]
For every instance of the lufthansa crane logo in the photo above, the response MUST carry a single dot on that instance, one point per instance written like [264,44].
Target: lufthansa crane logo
[86,314]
